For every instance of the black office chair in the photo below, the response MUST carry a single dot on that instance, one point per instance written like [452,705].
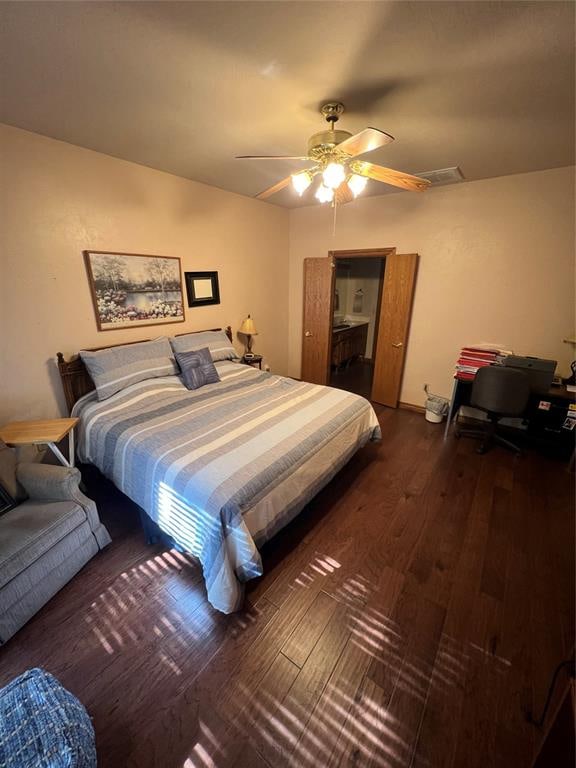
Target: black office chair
[500,392]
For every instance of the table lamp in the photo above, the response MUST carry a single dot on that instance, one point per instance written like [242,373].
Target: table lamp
[248,329]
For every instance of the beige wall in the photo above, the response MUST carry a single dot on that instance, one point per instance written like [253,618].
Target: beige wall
[496,264]
[58,199]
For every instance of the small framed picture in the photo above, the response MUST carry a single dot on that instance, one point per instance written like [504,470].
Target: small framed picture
[6,501]
[202,288]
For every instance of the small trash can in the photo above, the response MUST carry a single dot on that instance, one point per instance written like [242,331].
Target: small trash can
[436,407]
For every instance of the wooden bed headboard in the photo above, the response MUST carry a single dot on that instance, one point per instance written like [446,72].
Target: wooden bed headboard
[76,380]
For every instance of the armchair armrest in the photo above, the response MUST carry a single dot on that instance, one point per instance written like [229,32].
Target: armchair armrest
[46,482]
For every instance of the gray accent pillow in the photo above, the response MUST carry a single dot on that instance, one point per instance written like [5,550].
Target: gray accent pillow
[116,368]
[217,342]
[197,368]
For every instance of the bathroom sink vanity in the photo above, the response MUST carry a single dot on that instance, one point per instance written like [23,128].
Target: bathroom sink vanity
[348,342]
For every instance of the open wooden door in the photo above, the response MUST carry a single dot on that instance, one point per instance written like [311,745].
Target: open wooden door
[316,340]
[395,311]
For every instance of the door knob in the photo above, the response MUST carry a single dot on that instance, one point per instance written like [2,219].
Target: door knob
[399,344]
[307,333]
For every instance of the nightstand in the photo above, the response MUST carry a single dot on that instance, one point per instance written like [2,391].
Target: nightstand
[253,361]
[42,432]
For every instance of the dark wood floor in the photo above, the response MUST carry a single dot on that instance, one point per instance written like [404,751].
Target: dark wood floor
[356,377]
[410,617]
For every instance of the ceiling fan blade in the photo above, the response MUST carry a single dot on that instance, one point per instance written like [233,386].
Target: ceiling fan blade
[389,176]
[276,188]
[365,141]
[271,157]
[284,183]
[343,194]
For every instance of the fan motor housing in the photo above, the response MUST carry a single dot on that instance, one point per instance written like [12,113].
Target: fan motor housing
[323,142]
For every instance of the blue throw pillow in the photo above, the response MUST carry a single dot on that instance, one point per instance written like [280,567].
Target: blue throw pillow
[197,368]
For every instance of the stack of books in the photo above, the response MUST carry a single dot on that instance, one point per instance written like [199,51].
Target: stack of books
[474,357]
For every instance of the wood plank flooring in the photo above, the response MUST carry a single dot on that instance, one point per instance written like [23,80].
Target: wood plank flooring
[355,377]
[410,616]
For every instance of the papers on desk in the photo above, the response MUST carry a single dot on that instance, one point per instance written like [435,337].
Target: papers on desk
[487,346]
[477,356]
[570,387]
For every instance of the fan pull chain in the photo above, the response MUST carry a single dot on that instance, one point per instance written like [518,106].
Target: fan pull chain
[335,206]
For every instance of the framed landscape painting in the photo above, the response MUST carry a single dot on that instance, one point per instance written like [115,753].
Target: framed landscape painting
[132,289]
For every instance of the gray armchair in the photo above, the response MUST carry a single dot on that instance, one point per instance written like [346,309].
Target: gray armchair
[45,540]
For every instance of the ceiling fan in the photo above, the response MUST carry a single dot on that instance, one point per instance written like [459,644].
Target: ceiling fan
[333,154]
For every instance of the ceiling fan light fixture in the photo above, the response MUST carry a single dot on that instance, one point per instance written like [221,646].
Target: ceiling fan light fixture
[324,194]
[301,181]
[333,154]
[333,175]
[357,184]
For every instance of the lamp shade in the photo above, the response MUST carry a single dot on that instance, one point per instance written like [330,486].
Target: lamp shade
[248,328]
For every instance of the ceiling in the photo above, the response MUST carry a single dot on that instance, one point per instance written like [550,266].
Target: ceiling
[184,87]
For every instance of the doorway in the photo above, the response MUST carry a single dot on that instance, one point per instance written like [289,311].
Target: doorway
[356,310]
[391,325]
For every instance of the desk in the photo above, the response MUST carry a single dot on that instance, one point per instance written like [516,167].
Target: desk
[544,426]
[42,432]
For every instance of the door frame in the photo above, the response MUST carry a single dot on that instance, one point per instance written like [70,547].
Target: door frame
[362,253]
[332,257]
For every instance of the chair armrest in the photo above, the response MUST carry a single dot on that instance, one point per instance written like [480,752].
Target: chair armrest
[48,482]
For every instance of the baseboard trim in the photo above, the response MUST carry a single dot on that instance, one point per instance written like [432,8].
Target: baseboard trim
[412,407]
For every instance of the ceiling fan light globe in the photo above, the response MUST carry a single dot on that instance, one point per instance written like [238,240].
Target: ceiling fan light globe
[357,184]
[324,194]
[301,181]
[333,175]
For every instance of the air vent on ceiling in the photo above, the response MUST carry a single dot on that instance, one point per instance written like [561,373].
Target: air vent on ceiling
[443,176]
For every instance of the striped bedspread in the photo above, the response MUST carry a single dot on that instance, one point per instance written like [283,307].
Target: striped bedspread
[221,469]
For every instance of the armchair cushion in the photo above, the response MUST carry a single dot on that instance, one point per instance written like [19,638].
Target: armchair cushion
[30,530]
[48,482]
[9,460]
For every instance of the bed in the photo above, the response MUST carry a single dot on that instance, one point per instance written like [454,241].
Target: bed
[222,468]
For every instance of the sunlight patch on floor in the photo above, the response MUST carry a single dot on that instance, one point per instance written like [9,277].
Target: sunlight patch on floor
[115,616]
[339,724]
[320,565]
[206,752]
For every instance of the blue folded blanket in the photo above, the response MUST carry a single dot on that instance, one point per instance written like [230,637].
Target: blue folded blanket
[42,725]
